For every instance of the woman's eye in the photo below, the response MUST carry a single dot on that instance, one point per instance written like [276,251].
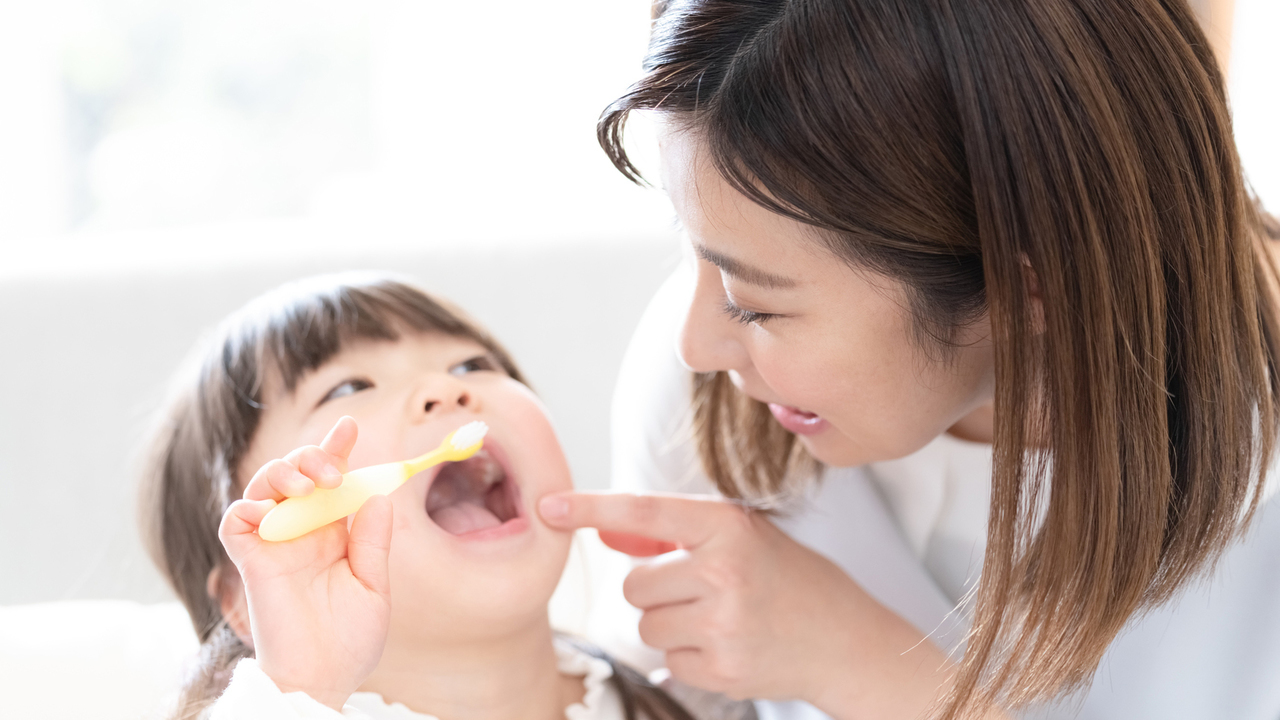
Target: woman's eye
[746,317]
[475,364]
[345,388]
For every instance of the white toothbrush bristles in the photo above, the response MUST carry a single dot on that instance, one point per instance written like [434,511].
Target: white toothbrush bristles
[469,434]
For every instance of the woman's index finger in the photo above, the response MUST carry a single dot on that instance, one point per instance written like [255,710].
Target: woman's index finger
[688,520]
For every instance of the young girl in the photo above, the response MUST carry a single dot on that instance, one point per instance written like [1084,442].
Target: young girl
[434,600]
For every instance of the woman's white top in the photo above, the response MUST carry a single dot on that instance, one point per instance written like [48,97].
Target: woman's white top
[912,533]
[252,695]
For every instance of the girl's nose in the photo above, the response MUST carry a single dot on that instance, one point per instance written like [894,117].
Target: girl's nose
[709,338]
[444,394]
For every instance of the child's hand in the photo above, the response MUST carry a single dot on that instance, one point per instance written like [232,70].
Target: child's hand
[318,604]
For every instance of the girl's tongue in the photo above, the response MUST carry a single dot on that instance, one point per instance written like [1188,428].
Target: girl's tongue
[471,495]
[464,518]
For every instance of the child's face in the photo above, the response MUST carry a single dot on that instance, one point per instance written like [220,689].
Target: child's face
[469,556]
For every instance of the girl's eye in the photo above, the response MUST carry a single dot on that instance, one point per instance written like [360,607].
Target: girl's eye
[475,364]
[746,317]
[345,388]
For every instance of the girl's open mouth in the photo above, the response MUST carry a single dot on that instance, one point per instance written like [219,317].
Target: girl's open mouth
[472,496]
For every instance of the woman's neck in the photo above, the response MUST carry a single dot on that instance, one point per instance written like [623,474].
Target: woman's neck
[509,678]
[978,426]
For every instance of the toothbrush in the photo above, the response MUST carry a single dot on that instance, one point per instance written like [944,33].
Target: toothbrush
[297,516]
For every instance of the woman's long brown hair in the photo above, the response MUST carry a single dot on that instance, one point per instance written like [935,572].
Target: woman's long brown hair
[973,150]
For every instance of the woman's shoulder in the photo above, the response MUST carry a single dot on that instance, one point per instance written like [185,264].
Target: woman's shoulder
[651,435]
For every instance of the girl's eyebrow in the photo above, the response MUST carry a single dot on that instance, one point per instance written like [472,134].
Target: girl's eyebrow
[739,270]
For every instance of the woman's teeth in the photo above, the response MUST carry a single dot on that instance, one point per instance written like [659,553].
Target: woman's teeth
[471,495]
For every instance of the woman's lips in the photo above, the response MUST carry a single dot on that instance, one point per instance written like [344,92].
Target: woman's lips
[796,420]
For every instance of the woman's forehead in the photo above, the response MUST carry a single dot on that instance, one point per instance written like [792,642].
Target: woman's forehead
[726,225]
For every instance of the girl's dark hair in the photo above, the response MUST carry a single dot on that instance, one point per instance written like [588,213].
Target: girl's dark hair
[211,419]
[970,149]
[642,699]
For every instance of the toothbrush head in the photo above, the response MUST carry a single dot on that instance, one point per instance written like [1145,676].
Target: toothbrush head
[469,436]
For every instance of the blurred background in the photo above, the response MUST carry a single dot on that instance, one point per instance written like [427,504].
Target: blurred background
[162,161]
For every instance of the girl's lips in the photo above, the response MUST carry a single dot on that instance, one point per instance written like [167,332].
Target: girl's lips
[798,421]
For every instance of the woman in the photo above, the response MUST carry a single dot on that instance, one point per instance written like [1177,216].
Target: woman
[929,236]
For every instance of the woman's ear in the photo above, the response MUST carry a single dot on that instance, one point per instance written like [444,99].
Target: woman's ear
[225,586]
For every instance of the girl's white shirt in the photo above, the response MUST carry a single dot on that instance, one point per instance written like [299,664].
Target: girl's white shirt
[912,532]
[252,695]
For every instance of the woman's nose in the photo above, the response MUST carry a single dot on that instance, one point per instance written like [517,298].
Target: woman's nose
[709,338]
[443,394]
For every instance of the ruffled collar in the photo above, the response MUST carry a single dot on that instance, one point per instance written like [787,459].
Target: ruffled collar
[599,702]
[595,672]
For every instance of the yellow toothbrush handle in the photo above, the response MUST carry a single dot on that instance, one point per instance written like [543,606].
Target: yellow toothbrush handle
[297,516]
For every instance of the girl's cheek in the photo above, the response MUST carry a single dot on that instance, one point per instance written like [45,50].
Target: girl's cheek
[528,416]
[541,452]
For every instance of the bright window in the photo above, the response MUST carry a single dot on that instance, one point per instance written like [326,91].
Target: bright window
[307,123]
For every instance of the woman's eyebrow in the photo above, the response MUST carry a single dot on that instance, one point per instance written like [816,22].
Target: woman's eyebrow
[741,271]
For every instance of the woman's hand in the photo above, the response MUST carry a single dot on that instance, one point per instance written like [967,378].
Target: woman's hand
[747,611]
[319,604]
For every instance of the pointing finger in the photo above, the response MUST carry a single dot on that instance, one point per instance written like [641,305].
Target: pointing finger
[688,521]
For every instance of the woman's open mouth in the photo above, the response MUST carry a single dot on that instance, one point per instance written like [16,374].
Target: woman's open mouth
[796,420]
[472,496]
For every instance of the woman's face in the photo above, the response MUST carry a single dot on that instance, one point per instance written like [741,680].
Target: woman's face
[828,346]
[469,558]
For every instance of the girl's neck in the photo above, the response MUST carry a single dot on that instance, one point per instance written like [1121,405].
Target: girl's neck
[510,678]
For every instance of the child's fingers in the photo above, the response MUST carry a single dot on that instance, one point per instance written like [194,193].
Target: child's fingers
[324,468]
[325,463]
[246,515]
[369,544]
[240,523]
[341,439]
[277,480]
